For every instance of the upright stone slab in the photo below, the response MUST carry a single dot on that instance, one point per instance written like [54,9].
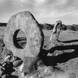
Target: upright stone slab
[23,35]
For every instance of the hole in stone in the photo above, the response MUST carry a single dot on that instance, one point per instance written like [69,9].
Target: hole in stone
[19,39]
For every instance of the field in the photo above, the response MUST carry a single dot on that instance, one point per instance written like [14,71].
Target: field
[69,37]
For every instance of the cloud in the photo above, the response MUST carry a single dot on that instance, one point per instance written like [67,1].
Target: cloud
[43,10]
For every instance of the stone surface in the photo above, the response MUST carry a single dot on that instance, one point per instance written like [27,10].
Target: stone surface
[26,22]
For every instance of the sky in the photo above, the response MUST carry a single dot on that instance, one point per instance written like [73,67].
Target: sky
[45,11]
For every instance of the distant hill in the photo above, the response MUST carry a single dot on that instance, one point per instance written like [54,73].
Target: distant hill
[73,27]
[3,24]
